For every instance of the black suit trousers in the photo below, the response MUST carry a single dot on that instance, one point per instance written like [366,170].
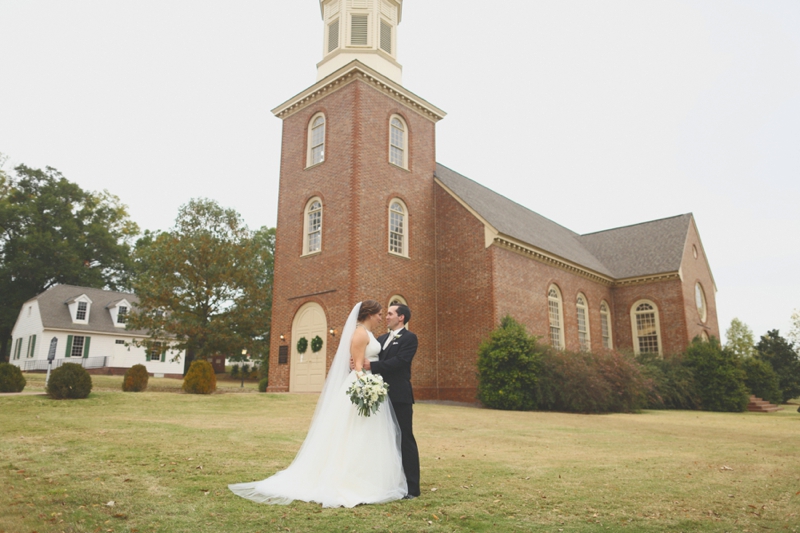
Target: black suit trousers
[408,445]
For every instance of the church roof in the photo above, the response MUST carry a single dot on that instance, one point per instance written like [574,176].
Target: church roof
[55,312]
[632,251]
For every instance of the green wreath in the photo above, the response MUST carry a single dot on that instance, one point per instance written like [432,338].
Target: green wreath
[302,345]
[316,344]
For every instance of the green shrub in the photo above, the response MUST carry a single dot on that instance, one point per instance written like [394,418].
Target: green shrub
[245,371]
[780,354]
[200,379]
[235,371]
[761,380]
[584,382]
[719,376]
[136,378]
[508,362]
[69,381]
[11,378]
[674,386]
[262,385]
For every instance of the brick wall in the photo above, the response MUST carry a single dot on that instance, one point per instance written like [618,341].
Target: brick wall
[356,184]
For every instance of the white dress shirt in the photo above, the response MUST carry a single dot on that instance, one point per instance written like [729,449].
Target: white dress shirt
[391,336]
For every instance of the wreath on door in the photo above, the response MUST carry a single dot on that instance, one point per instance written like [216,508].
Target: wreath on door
[302,345]
[316,344]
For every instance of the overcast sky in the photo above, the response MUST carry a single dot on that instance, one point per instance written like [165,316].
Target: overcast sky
[596,114]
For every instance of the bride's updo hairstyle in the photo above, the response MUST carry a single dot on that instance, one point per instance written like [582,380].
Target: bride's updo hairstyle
[368,308]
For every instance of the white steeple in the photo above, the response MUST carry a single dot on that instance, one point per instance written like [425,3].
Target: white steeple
[361,29]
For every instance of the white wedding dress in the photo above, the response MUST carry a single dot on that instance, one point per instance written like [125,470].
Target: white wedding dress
[346,459]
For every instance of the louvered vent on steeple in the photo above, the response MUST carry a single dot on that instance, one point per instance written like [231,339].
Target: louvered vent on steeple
[359,29]
[386,37]
[333,35]
[359,4]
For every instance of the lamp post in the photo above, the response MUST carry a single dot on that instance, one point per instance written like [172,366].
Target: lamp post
[244,354]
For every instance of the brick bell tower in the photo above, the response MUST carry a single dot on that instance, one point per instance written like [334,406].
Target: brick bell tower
[356,199]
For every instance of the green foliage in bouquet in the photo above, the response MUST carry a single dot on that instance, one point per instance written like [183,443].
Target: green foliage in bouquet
[69,381]
[302,345]
[719,376]
[11,378]
[136,378]
[367,393]
[508,364]
[316,344]
[761,380]
[200,379]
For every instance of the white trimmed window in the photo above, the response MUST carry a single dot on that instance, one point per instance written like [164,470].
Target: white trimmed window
[700,301]
[122,314]
[583,323]
[80,314]
[316,140]
[312,227]
[605,326]
[646,327]
[78,343]
[156,352]
[556,312]
[398,228]
[398,142]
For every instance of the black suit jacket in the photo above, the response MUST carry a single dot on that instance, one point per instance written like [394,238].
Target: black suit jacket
[394,365]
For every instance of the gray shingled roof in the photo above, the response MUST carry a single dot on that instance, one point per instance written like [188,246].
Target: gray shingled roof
[55,312]
[644,249]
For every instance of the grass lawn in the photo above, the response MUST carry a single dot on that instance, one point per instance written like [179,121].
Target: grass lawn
[161,461]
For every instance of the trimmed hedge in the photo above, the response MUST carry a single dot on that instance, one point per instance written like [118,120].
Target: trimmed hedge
[508,363]
[70,381]
[136,378]
[262,385]
[762,381]
[200,379]
[673,383]
[11,378]
[584,382]
[719,376]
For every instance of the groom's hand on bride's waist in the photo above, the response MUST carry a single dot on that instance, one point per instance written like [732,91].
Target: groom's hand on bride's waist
[365,366]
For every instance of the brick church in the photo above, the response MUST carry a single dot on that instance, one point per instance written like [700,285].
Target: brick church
[365,211]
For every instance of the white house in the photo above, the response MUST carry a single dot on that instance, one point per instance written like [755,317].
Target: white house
[89,327]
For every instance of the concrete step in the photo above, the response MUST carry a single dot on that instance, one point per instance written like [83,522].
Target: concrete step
[757,405]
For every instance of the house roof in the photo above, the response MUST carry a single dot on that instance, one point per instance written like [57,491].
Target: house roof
[54,310]
[632,251]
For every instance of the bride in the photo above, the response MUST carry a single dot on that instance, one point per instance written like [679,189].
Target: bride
[346,459]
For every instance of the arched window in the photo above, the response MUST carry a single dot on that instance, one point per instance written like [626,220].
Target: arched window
[605,325]
[398,142]
[316,140]
[556,312]
[583,323]
[646,327]
[312,227]
[700,300]
[398,228]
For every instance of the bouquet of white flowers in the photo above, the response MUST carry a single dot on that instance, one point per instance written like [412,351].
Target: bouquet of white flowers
[367,393]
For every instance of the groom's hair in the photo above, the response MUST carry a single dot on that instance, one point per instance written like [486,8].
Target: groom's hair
[405,312]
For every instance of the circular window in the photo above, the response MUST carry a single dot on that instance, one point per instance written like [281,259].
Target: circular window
[694,251]
[700,300]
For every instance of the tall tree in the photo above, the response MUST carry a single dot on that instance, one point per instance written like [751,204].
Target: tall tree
[794,333]
[205,285]
[780,353]
[740,339]
[53,232]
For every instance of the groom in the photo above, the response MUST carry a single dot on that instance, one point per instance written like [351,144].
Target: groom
[398,348]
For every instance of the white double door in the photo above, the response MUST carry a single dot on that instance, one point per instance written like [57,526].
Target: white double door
[308,369]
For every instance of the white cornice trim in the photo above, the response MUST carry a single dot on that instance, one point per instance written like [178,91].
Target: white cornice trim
[123,333]
[353,71]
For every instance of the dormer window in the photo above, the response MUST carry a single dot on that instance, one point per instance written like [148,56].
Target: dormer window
[80,314]
[122,314]
[80,308]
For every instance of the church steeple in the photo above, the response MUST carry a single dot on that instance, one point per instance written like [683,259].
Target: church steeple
[365,30]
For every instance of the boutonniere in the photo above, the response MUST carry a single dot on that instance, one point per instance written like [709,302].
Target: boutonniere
[398,336]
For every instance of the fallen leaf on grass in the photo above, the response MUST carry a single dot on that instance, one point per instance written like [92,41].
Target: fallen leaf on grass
[110,504]
[723,467]
[435,517]
[433,489]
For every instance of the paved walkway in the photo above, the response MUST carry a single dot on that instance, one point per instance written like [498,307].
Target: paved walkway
[23,393]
